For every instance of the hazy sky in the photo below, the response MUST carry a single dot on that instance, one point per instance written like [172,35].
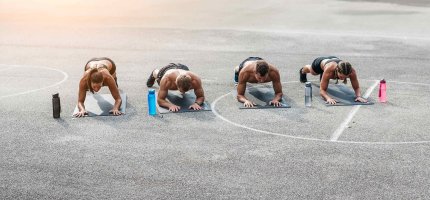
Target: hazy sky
[268,15]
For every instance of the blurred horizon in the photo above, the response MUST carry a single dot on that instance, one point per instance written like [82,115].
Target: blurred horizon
[271,15]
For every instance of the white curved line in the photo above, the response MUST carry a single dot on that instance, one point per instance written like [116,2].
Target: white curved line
[409,83]
[253,129]
[351,114]
[213,107]
[66,76]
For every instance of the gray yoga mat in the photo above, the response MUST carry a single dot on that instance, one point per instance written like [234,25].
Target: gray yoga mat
[184,101]
[101,104]
[342,93]
[261,95]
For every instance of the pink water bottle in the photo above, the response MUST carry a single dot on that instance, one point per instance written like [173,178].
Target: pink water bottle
[382,91]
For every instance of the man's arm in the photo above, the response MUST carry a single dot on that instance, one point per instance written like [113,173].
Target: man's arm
[162,95]
[241,87]
[200,98]
[161,98]
[277,87]
[198,91]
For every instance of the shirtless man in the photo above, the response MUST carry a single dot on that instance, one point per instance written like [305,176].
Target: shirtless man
[331,67]
[256,70]
[99,72]
[176,77]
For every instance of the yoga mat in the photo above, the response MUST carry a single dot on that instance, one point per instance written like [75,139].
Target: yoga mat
[344,94]
[261,95]
[101,104]
[184,101]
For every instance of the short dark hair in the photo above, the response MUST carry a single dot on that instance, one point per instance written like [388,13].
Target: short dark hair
[262,68]
[184,82]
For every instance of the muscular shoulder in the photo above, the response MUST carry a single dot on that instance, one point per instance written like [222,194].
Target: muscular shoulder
[273,69]
[196,82]
[248,66]
[244,76]
[167,80]
[247,70]
[193,75]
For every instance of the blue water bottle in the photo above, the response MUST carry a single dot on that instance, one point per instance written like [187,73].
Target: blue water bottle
[151,102]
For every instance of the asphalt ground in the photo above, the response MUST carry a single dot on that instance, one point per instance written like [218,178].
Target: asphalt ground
[361,152]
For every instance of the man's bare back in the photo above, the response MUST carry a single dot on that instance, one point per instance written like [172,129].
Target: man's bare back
[176,77]
[256,70]
[248,72]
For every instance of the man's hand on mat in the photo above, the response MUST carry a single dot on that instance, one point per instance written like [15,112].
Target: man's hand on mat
[360,99]
[331,101]
[81,113]
[115,112]
[195,106]
[174,108]
[275,103]
[248,103]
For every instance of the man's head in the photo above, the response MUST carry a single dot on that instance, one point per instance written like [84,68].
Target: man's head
[183,82]
[95,80]
[261,71]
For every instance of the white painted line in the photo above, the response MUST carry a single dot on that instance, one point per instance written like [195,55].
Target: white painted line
[213,107]
[408,83]
[66,76]
[351,114]
[246,127]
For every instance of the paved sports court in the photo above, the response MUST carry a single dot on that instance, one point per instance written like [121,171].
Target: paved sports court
[379,151]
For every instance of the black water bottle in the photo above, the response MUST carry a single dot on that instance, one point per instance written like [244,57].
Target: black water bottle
[308,94]
[56,106]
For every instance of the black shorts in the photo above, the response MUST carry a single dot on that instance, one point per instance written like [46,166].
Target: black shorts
[316,64]
[163,70]
[246,60]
